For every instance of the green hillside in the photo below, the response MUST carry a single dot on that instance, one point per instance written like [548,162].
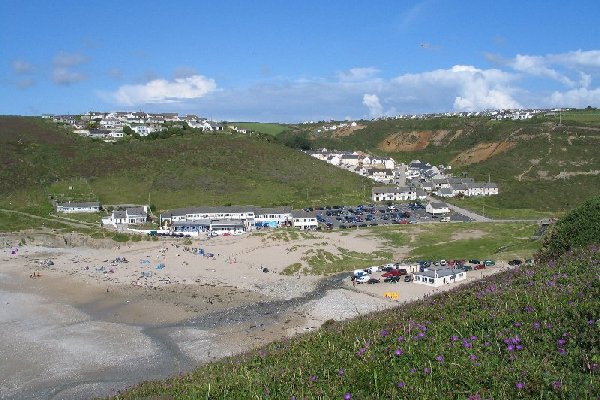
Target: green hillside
[538,164]
[266,128]
[39,160]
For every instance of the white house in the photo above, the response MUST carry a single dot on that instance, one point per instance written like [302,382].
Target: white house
[88,207]
[350,159]
[129,216]
[440,277]
[437,208]
[273,217]
[304,221]
[245,215]
[393,194]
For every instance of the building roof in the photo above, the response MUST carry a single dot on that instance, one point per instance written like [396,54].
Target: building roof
[438,205]
[79,205]
[303,214]
[276,210]
[207,210]
[136,211]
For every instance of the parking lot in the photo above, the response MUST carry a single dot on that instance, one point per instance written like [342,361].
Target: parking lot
[362,216]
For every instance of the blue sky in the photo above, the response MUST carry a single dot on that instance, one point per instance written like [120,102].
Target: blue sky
[291,61]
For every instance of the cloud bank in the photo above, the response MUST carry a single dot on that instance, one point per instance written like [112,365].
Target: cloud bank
[164,91]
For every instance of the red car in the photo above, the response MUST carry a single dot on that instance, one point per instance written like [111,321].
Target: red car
[394,272]
[479,266]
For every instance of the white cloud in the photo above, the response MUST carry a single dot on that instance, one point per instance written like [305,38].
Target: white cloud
[579,98]
[357,74]
[538,66]
[65,60]
[373,104]
[62,72]
[465,87]
[22,67]
[164,91]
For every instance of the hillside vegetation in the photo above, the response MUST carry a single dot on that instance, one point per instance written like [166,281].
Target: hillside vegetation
[38,160]
[537,164]
[529,332]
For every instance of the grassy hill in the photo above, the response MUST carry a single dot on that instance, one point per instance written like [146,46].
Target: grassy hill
[537,164]
[39,159]
[266,128]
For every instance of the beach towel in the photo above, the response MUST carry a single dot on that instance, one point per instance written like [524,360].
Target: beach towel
[160,266]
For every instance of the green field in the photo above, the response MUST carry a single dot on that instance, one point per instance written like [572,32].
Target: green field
[267,128]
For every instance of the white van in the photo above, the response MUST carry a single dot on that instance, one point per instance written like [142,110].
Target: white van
[359,272]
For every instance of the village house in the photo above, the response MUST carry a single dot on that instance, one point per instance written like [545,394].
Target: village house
[304,221]
[435,208]
[273,217]
[393,194]
[440,277]
[87,207]
[129,216]
[189,216]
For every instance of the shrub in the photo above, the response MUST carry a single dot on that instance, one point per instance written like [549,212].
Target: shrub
[579,228]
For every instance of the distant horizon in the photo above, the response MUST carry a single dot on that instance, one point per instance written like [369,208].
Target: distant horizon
[274,62]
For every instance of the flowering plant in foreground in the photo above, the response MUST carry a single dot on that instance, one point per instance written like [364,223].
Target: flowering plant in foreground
[513,336]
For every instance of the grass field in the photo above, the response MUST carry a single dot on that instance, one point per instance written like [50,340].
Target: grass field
[268,128]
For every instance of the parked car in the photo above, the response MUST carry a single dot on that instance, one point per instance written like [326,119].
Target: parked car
[474,261]
[515,262]
[480,266]
[489,263]
[408,278]
[443,263]
[402,271]
[363,279]
[394,272]
[373,280]
[467,268]
[392,279]
[372,269]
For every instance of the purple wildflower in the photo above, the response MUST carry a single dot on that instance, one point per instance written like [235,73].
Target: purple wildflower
[562,351]
[341,372]
[556,385]
[440,358]
[517,324]
[360,352]
[561,342]
[528,309]
[552,263]
[519,347]
[454,338]
[313,378]
[413,370]
[384,333]
[520,385]
[398,352]
[472,357]
[475,397]
[400,338]
[487,344]
[536,325]
[347,396]
[421,334]
[467,344]
[401,384]
[473,337]
[426,370]
[591,322]
[510,347]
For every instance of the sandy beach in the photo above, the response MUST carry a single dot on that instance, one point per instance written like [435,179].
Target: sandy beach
[78,321]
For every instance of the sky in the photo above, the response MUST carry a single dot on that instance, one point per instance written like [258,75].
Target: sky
[294,61]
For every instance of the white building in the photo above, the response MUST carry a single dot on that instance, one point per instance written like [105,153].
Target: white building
[88,207]
[304,221]
[440,277]
[393,194]
[129,216]
[434,208]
